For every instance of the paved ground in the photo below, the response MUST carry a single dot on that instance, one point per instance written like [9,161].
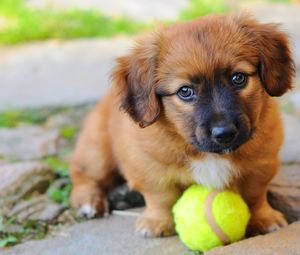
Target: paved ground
[112,236]
[105,236]
[283,242]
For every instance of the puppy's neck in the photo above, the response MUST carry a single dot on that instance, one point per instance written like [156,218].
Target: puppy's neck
[214,171]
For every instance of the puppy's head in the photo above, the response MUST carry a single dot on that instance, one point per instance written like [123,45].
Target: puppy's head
[209,78]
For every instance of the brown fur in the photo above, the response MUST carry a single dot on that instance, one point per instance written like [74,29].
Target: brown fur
[155,160]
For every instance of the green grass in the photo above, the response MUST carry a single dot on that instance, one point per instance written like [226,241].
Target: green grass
[59,166]
[199,8]
[59,194]
[23,23]
[30,229]
[8,240]
[68,132]
[287,107]
[13,117]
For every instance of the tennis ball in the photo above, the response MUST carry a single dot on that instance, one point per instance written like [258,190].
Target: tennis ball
[206,218]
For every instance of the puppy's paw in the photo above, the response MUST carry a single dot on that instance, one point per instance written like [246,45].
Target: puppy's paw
[87,210]
[266,221]
[89,201]
[155,227]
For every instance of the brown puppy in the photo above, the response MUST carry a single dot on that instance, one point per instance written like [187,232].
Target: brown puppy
[190,103]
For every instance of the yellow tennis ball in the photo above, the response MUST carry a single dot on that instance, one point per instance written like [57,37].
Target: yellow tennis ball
[207,218]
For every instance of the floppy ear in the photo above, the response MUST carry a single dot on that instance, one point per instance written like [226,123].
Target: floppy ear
[134,77]
[276,66]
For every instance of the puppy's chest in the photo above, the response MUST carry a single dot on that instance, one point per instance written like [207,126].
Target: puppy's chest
[213,171]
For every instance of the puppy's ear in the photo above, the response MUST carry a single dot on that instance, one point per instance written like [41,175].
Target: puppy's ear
[134,77]
[276,66]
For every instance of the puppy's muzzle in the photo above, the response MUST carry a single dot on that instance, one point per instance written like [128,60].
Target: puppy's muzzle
[224,133]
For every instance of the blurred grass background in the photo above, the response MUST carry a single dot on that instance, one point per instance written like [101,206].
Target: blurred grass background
[21,23]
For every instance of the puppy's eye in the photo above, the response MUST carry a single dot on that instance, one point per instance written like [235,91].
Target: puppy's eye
[239,80]
[186,93]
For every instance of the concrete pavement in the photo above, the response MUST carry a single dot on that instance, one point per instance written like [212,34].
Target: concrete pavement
[113,235]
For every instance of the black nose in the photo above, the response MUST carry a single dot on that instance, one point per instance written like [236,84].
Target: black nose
[224,134]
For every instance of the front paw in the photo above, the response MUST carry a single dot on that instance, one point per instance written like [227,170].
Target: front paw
[265,221]
[155,227]
[89,201]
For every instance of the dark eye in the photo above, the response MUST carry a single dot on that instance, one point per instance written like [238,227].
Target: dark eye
[186,93]
[239,80]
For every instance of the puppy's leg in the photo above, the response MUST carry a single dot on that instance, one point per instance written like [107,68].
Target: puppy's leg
[264,219]
[157,219]
[92,166]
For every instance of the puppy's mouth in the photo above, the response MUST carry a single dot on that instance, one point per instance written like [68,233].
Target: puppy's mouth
[206,146]
[209,145]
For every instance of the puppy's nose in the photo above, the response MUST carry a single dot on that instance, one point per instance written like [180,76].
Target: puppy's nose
[224,134]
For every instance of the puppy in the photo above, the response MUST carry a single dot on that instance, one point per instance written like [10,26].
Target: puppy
[190,103]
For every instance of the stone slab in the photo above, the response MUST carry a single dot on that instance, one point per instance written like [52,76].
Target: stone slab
[284,192]
[15,174]
[283,242]
[21,179]
[113,235]
[52,73]
[290,151]
[39,208]
[28,142]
